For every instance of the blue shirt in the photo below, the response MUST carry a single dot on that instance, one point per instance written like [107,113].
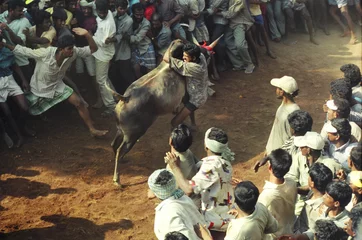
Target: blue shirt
[7,59]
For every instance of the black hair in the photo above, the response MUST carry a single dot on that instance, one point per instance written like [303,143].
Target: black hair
[32,3]
[301,122]
[181,138]
[280,161]
[102,5]
[122,3]
[137,7]
[159,16]
[59,13]
[163,178]
[343,128]
[13,4]
[356,216]
[352,74]
[340,191]
[65,41]
[193,50]
[340,88]
[356,156]
[218,135]
[175,236]
[343,106]
[328,230]
[321,175]
[40,16]
[246,196]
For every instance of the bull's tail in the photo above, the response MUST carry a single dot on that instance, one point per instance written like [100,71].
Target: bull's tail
[118,96]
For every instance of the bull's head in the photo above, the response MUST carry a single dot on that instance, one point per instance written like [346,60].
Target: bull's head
[210,47]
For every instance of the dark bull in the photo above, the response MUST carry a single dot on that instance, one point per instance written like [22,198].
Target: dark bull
[157,93]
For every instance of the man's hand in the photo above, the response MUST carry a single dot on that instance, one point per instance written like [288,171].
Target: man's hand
[260,163]
[341,175]
[233,212]
[26,32]
[4,26]
[172,160]
[110,40]
[202,232]
[235,181]
[80,31]
[149,34]
[166,24]
[25,85]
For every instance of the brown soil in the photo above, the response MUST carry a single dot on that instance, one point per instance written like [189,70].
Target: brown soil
[59,184]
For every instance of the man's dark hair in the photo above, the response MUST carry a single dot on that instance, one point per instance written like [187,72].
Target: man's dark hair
[59,13]
[163,178]
[340,191]
[328,230]
[65,40]
[280,161]
[40,16]
[175,236]
[341,89]
[301,122]
[122,3]
[158,16]
[218,135]
[246,196]
[343,128]
[352,74]
[193,50]
[102,5]
[13,4]
[343,107]
[321,175]
[181,138]
[356,156]
[137,7]
[356,216]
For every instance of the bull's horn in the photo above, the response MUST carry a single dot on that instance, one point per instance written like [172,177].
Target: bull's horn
[194,40]
[214,43]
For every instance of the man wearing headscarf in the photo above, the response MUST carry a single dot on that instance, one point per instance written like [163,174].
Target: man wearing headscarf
[212,181]
[176,212]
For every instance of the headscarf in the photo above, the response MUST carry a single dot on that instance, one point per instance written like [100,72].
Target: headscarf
[164,191]
[218,147]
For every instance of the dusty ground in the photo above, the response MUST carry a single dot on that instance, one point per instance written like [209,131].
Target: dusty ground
[59,185]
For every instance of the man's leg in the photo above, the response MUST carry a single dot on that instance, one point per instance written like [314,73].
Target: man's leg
[308,19]
[322,12]
[220,48]
[333,11]
[232,51]
[72,84]
[102,79]
[242,48]
[91,69]
[290,19]
[24,107]
[9,142]
[275,34]
[180,117]
[279,16]
[6,110]
[359,10]
[262,31]
[345,13]
[84,114]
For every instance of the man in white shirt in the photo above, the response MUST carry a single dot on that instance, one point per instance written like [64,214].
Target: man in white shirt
[279,194]
[286,90]
[47,86]
[176,212]
[106,28]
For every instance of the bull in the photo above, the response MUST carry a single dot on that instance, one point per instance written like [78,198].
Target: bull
[157,93]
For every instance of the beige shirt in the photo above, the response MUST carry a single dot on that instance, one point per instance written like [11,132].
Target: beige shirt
[280,201]
[309,215]
[252,227]
[50,35]
[238,14]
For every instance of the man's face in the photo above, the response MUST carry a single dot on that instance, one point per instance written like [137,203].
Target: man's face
[71,6]
[186,57]
[67,51]
[87,11]
[102,14]
[156,24]
[332,137]
[17,13]
[304,150]
[46,24]
[121,11]
[34,7]
[112,5]
[310,182]
[59,23]
[138,15]
[279,92]
[328,201]
[331,114]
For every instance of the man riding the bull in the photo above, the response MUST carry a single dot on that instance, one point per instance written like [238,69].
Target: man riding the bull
[194,68]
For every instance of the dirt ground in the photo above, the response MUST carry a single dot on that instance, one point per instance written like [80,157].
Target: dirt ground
[59,184]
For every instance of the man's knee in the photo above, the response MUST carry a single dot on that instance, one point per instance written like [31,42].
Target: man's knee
[75,101]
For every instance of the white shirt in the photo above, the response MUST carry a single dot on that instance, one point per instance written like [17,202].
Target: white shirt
[252,227]
[281,129]
[105,28]
[48,76]
[342,153]
[177,215]
[280,201]
[309,215]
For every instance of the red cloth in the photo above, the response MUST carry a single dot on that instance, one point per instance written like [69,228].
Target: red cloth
[149,11]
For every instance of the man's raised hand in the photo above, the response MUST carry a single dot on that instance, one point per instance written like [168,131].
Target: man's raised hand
[80,31]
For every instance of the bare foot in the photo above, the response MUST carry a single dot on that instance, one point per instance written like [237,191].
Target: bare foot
[346,33]
[353,40]
[270,54]
[98,104]
[312,40]
[98,133]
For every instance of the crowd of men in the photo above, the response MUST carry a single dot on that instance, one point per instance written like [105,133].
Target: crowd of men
[314,190]
[315,182]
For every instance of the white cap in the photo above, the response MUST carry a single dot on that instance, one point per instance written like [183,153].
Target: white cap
[330,104]
[286,83]
[312,140]
[84,3]
[329,128]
